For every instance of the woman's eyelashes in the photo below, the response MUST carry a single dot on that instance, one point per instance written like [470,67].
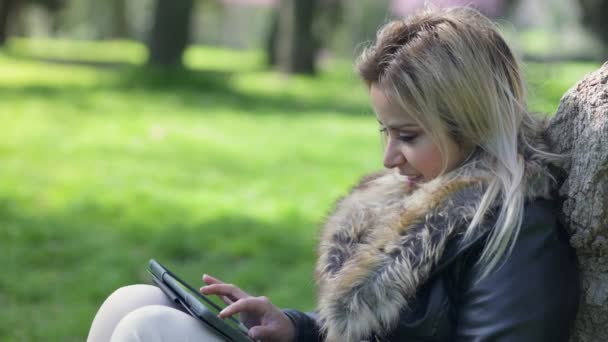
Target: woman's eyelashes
[404,137]
[407,137]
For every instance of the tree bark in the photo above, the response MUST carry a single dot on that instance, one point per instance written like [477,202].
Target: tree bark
[170,32]
[295,44]
[580,129]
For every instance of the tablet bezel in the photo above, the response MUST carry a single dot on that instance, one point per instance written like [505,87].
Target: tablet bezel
[196,303]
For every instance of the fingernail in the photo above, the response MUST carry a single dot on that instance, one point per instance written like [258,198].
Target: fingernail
[253,333]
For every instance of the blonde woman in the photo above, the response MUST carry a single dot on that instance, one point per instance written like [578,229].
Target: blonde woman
[458,239]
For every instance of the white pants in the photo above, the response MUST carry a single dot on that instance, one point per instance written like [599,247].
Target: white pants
[142,313]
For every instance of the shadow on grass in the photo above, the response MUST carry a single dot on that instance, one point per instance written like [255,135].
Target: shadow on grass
[91,243]
[75,258]
[21,55]
[189,84]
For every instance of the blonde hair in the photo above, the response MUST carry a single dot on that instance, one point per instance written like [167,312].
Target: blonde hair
[454,74]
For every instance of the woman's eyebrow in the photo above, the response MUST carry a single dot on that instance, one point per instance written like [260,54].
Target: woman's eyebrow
[400,126]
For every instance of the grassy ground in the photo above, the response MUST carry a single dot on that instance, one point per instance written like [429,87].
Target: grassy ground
[227,169]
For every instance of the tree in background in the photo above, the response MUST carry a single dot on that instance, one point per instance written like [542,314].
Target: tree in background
[120,27]
[7,10]
[491,8]
[108,19]
[594,16]
[271,40]
[329,18]
[170,32]
[292,44]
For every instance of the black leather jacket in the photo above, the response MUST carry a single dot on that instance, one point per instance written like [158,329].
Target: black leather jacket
[533,296]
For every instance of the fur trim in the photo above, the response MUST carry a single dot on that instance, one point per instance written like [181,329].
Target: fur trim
[383,240]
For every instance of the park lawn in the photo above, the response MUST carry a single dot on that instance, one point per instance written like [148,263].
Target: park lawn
[227,169]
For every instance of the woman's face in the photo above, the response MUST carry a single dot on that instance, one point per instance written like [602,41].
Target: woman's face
[408,147]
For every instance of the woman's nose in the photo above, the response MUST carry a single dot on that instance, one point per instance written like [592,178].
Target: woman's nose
[392,156]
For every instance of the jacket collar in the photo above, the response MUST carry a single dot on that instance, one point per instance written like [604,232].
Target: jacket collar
[385,239]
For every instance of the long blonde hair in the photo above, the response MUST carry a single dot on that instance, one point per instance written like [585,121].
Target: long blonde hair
[452,72]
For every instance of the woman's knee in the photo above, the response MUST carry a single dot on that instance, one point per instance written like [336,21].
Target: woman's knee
[141,324]
[156,323]
[120,303]
[140,293]
[131,297]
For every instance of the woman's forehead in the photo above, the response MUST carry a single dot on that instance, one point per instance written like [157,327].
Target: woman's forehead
[387,112]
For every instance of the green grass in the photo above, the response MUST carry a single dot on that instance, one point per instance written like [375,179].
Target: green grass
[227,169]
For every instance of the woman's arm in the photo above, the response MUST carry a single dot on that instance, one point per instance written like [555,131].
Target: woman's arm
[306,327]
[534,294]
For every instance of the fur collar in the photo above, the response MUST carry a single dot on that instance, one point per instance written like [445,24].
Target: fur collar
[383,240]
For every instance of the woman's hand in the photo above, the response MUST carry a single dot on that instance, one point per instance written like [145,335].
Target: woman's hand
[265,321]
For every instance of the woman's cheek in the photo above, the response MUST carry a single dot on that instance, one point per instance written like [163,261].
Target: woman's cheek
[427,160]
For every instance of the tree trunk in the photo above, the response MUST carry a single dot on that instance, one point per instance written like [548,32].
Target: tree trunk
[296,46]
[6,12]
[271,40]
[580,129]
[594,17]
[120,24]
[329,17]
[170,32]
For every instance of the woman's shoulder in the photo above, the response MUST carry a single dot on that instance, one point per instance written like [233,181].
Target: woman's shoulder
[542,212]
[533,292]
[541,232]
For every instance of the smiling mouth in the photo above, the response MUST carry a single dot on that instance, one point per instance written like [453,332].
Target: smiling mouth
[413,179]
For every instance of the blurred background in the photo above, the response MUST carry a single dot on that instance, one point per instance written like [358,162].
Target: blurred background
[212,135]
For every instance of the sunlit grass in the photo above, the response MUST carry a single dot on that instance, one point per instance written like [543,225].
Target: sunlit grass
[549,82]
[226,169]
[108,51]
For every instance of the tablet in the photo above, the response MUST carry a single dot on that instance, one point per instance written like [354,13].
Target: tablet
[197,304]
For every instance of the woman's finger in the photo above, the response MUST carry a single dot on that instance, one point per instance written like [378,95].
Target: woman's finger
[258,305]
[260,332]
[207,279]
[226,300]
[211,280]
[232,292]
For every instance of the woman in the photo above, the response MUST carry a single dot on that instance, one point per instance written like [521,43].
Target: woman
[458,240]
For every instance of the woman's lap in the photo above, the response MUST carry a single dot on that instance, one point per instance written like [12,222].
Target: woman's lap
[157,323]
[144,313]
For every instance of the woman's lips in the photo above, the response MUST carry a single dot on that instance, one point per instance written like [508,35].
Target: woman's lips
[413,179]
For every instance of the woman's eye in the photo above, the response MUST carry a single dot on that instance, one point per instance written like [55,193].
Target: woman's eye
[402,136]
[407,137]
